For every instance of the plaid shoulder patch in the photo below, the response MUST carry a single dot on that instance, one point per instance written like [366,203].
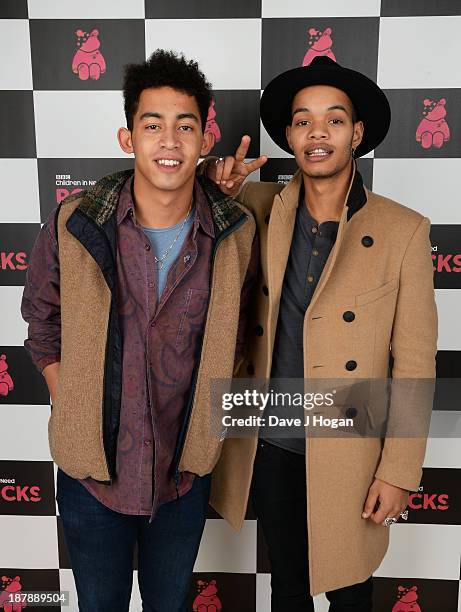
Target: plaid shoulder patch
[100,202]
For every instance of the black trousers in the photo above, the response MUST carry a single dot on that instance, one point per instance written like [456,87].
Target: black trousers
[279,499]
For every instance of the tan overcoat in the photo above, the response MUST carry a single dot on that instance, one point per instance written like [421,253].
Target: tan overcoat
[389,287]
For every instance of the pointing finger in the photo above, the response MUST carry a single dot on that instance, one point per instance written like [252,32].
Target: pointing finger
[256,163]
[242,149]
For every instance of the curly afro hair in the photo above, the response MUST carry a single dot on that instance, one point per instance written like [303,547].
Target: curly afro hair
[165,69]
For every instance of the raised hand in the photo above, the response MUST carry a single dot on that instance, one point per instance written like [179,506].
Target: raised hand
[230,172]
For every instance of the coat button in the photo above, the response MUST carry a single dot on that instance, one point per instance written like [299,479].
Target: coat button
[351,365]
[250,369]
[348,316]
[259,330]
[351,413]
[266,219]
[367,241]
[265,290]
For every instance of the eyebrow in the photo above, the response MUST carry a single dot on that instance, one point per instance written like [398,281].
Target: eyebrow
[330,108]
[179,117]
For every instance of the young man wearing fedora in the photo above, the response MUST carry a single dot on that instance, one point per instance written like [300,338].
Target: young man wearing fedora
[346,286]
[135,298]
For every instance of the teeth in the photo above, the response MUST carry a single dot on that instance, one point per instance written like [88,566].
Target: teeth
[318,152]
[168,162]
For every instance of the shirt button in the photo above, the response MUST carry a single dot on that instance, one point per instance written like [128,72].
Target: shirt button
[151,285]
[315,252]
[310,279]
[146,442]
[314,230]
[147,247]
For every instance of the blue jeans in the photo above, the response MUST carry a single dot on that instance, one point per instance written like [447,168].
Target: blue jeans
[101,544]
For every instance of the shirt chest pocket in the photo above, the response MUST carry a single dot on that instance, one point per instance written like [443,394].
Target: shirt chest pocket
[192,319]
[375,294]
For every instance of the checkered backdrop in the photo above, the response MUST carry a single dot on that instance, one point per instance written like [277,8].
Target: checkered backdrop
[58,135]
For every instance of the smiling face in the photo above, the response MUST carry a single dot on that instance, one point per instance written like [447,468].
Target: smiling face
[166,139]
[322,132]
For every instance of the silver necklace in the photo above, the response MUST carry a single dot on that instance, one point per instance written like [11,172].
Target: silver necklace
[161,260]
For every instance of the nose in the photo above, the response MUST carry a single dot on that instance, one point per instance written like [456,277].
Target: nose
[169,139]
[318,131]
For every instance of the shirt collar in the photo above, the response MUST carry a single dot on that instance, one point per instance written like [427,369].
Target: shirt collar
[203,216]
[357,195]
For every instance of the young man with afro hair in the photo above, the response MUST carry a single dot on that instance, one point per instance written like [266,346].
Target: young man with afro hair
[135,299]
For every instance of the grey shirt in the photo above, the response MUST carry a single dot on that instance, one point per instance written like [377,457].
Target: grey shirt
[310,247]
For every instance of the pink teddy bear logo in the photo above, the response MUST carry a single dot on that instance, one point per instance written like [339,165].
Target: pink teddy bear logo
[207,599]
[433,130]
[10,586]
[407,600]
[211,123]
[88,60]
[6,382]
[319,44]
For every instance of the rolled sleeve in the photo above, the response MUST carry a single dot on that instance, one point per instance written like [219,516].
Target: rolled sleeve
[41,303]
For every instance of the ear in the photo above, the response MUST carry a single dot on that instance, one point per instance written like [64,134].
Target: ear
[79,32]
[426,102]
[312,31]
[443,102]
[328,31]
[94,32]
[208,143]
[288,135]
[125,141]
[357,137]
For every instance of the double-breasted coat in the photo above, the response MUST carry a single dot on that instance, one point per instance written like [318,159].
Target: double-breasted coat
[386,280]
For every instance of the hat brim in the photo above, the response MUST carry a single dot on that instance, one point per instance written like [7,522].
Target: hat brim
[369,101]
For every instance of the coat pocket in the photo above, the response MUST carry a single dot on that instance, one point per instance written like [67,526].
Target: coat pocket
[377,293]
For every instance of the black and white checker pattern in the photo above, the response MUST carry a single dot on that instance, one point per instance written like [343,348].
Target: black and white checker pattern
[58,133]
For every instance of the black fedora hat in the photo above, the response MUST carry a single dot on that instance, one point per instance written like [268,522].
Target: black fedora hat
[369,100]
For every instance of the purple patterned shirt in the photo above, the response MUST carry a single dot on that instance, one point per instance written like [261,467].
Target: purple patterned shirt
[160,345]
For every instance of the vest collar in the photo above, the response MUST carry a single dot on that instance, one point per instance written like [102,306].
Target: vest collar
[100,202]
